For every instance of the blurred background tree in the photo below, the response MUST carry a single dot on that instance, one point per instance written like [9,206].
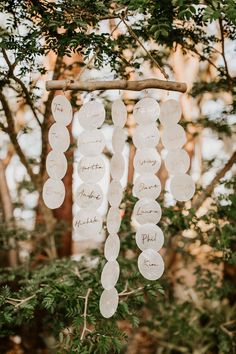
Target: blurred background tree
[50,284]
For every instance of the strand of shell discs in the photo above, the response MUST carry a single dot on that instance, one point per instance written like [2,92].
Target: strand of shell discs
[110,274]
[56,162]
[91,169]
[177,160]
[147,188]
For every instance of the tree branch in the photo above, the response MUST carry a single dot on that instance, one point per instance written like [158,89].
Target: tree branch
[13,137]
[85,329]
[22,85]
[209,189]
[223,52]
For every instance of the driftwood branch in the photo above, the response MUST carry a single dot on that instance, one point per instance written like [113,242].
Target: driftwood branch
[116,85]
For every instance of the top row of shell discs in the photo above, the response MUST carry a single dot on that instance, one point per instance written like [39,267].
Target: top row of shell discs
[147,111]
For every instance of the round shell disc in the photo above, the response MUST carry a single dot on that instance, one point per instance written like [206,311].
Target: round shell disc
[150,264]
[62,110]
[89,196]
[110,275]
[115,193]
[59,137]
[53,193]
[147,161]
[117,166]
[56,164]
[113,220]
[112,247]
[147,186]
[149,236]
[182,187]
[118,139]
[91,142]
[146,111]
[147,211]
[173,137]
[119,113]
[108,302]
[170,112]
[177,161]
[91,169]
[146,136]
[87,222]
[91,115]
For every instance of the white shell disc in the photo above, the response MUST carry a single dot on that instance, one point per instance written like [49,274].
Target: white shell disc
[112,247]
[91,142]
[87,222]
[170,112]
[89,196]
[182,187]
[110,275]
[146,111]
[147,211]
[149,236]
[147,161]
[91,169]
[177,161]
[53,193]
[119,113]
[113,220]
[62,110]
[91,115]
[115,193]
[150,264]
[108,302]
[118,139]
[117,166]
[146,136]
[147,186]
[59,137]
[56,164]
[173,137]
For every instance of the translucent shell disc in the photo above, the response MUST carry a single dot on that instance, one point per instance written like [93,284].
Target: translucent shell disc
[173,137]
[56,164]
[149,236]
[108,302]
[182,187]
[91,142]
[110,275]
[87,222]
[89,195]
[59,137]
[146,111]
[147,186]
[147,161]
[146,136]
[177,161]
[147,211]
[91,169]
[91,115]
[115,193]
[150,264]
[53,193]
[170,112]
[112,247]
[61,110]
[119,113]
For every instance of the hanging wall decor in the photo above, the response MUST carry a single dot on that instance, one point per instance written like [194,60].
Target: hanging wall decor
[147,188]
[177,161]
[56,163]
[91,169]
[110,274]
